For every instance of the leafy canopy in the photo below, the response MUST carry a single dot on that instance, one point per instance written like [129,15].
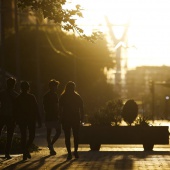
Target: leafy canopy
[54,11]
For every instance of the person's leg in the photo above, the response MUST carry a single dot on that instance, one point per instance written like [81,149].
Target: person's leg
[48,137]
[75,129]
[50,145]
[10,131]
[23,131]
[1,125]
[57,134]
[31,137]
[67,133]
[54,139]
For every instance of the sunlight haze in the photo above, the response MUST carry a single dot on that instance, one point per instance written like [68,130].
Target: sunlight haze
[149,27]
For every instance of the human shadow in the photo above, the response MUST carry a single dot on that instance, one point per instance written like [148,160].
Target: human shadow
[145,154]
[63,165]
[40,161]
[124,163]
[115,159]
[86,155]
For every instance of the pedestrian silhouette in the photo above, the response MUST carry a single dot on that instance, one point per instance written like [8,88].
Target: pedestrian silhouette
[7,99]
[71,114]
[51,108]
[26,115]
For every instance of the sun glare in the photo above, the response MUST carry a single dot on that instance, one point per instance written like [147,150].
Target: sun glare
[148,31]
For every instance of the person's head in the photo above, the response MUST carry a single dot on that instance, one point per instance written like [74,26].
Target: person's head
[53,85]
[25,87]
[70,87]
[10,83]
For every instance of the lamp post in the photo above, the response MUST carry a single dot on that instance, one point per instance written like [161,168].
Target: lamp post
[167,98]
[152,89]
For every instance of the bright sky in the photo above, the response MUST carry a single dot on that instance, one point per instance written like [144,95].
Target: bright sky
[149,29]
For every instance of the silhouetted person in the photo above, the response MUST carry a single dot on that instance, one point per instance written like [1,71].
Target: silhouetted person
[71,114]
[51,108]
[26,115]
[7,99]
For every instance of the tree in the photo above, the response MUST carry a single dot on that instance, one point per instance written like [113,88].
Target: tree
[84,65]
[82,62]
[54,11]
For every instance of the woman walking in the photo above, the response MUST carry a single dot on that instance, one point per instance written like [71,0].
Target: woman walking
[71,114]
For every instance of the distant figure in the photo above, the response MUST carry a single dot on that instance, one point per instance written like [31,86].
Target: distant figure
[7,99]
[71,113]
[51,108]
[26,115]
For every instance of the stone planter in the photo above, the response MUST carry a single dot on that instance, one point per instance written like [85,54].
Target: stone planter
[148,136]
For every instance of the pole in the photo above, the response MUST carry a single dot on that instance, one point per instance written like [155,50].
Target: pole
[152,88]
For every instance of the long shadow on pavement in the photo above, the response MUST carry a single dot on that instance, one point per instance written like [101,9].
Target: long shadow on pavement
[88,160]
[40,161]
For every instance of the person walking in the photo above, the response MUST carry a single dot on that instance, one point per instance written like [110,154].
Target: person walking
[26,115]
[7,100]
[71,114]
[51,108]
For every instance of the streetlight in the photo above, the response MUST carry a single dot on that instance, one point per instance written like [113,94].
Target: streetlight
[152,89]
[167,98]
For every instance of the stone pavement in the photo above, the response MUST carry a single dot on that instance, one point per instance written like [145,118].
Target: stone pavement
[109,157]
[117,157]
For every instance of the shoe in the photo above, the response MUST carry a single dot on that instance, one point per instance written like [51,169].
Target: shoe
[24,158]
[76,155]
[28,155]
[7,156]
[52,151]
[69,156]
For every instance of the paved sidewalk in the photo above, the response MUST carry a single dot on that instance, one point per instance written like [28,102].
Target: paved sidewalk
[110,157]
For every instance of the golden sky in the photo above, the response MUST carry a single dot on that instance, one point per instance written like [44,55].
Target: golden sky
[149,26]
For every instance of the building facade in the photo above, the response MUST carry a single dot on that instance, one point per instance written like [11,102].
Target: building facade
[139,86]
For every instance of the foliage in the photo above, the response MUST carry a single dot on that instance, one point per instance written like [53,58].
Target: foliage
[110,113]
[16,145]
[130,111]
[85,66]
[142,121]
[56,11]
[114,108]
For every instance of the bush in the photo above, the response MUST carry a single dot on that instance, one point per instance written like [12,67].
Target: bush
[142,121]
[107,115]
[130,111]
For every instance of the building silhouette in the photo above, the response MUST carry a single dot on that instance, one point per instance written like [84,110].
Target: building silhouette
[139,87]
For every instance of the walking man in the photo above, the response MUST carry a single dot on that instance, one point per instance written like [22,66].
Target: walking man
[51,108]
[26,115]
[7,100]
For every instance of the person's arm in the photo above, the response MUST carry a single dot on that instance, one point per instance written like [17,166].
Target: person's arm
[60,108]
[38,117]
[16,110]
[0,102]
[81,111]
